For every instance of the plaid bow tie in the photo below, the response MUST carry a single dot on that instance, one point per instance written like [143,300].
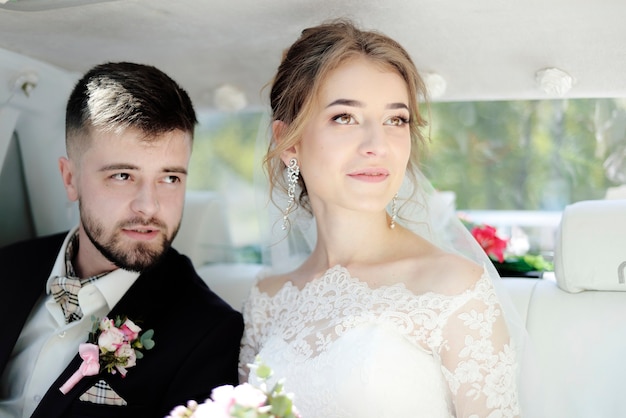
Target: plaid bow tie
[65,293]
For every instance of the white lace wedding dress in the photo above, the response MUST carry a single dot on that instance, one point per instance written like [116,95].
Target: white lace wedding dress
[348,350]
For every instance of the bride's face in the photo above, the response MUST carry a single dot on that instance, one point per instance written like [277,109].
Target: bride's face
[355,147]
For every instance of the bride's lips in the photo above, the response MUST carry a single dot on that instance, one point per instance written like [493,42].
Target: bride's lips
[370,175]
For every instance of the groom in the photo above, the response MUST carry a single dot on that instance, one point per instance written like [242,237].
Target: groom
[129,131]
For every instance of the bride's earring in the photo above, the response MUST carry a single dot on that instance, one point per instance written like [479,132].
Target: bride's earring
[293,171]
[394,211]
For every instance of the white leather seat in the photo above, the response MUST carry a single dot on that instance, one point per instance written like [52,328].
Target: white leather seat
[204,235]
[578,322]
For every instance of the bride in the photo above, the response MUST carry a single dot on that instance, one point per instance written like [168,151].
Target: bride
[381,319]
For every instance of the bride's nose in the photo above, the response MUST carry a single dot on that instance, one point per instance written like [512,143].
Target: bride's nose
[374,141]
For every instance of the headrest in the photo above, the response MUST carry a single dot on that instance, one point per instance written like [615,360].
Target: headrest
[204,234]
[590,251]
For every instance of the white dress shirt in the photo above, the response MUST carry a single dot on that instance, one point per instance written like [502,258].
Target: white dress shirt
[47,344]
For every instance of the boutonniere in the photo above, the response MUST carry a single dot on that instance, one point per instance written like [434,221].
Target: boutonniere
[113,345]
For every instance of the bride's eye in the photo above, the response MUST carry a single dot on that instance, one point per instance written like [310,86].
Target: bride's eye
[344,119]
[397,121]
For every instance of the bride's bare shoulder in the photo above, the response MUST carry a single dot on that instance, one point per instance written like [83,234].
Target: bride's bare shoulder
[454,274]
[271,284]
[442,272]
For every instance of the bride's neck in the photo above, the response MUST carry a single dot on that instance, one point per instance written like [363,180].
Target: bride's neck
[354,243]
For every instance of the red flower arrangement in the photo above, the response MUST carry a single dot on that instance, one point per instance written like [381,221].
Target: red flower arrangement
[493,245]
[506,262]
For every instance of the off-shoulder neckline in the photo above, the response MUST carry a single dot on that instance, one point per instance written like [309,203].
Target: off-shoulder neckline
[327,275]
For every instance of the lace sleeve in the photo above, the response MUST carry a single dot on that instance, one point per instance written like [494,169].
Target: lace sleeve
[249,341]
[478,359]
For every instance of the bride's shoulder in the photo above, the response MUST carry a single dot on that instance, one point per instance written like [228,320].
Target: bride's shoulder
[270,284]
[442,272]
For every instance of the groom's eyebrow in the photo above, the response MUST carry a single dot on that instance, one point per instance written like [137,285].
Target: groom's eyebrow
[132,167]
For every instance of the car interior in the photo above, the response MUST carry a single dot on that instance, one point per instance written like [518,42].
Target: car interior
[527,120]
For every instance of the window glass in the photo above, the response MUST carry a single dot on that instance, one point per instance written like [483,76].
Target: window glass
[224,160]
[527,155]
[516,164]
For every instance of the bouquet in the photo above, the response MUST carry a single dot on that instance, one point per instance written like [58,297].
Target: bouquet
[243,401]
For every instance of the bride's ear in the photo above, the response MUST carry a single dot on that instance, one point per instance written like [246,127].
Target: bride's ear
[278,130]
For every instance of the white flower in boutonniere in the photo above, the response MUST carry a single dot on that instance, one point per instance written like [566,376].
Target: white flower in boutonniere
[113,345]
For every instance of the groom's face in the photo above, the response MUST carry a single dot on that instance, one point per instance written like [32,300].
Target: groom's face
[131,192]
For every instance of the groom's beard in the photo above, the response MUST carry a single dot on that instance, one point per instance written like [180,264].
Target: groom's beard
[136,256]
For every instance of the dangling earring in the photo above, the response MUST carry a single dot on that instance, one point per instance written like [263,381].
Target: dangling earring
[293,171]
[394,211]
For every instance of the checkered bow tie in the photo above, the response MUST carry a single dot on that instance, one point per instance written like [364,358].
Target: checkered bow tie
[65,292]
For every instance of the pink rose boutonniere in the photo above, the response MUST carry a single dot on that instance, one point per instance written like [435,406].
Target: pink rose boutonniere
[114,346]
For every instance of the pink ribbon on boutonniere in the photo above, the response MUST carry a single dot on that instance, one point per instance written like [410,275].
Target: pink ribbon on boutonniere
[89,367]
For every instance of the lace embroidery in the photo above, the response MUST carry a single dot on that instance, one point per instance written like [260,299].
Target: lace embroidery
[479,368]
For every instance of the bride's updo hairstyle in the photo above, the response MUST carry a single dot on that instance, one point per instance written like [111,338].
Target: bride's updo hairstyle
[304,69]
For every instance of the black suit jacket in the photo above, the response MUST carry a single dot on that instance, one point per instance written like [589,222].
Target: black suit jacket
[197,334]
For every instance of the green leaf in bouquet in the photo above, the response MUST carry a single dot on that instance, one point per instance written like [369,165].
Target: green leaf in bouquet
[263,371]
[281,406]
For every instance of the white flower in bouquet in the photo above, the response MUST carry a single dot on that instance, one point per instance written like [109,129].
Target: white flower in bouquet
[243,401]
